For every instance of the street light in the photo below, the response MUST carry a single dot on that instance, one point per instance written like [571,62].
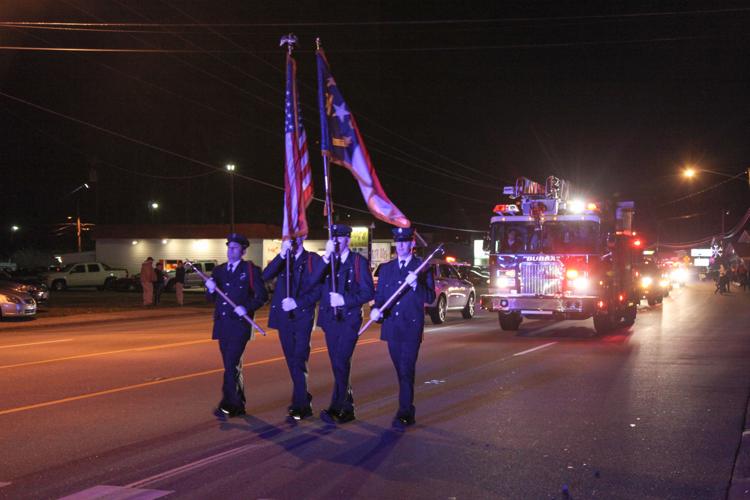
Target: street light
[153,206]
[230,168]
[14,228]
[691,171]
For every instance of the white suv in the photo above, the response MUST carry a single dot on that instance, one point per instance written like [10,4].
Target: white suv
[81,274]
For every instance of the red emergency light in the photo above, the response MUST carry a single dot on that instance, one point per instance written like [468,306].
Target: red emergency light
[504,209]
[637,242]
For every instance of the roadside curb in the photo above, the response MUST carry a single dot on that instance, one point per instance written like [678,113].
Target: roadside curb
[95,318]
[739,488]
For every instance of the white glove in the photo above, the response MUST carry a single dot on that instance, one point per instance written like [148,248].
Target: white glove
[210,285]
[411,280]
[375,314]
[288,304]
[286,245]
[337,300]
[240,311]
[330,248]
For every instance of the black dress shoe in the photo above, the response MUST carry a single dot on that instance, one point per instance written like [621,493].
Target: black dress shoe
[405,420]
[343,417]
[229,411]
[328,416]
[300,413]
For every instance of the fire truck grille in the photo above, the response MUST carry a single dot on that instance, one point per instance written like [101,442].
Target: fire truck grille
[543,278]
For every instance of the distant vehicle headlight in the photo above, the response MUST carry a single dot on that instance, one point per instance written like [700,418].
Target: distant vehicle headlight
[646,281]
[679,275]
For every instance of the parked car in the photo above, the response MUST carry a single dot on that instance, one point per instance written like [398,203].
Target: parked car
[82,274]
[478,275]
[15,304]
[452,293]
[191,277]
[34,287]
[128,284]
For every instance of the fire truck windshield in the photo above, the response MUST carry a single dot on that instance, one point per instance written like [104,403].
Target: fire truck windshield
[548,237]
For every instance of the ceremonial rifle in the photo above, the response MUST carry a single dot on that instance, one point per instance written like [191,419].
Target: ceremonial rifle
[225,297]
[388,303]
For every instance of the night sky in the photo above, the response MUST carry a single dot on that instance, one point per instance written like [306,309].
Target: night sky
[454,99]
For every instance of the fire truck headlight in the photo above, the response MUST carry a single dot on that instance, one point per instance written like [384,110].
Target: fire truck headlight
[505,282]
[581,284]
[646,281]
[663,283]
[571,274]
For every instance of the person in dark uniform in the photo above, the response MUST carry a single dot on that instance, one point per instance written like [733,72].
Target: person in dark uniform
[403,321]
[340,315]
[242,282]
[292,314]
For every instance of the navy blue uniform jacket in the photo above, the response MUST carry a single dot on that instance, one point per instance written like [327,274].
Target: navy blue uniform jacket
[237,287]
[404,320]
[305,289]
[355,286]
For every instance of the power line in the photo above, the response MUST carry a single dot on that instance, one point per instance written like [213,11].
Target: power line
[710,188]
[196,161]
[428,22]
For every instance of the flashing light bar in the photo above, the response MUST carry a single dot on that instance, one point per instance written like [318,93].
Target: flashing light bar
[506,209]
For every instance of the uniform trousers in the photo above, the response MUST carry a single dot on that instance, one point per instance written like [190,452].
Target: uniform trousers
[179,293]
[341,339]
[295,342]
[233,388]
[404,357]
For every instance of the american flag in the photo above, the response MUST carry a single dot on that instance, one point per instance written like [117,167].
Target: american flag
[342,143]
[298,189]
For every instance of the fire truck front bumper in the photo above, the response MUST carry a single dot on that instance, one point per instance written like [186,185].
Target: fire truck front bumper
[541,307]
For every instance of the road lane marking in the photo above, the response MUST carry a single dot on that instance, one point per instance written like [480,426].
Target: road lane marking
[155,382]
[527,351]
[35,343]
[106,491]
[94,354]
[193,465]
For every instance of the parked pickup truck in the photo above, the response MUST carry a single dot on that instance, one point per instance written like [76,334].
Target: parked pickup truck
[82,274]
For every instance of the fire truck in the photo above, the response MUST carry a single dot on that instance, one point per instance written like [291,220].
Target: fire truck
[556,257]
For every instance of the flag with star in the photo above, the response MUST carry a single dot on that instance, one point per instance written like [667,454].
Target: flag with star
[298,189]
[342,143]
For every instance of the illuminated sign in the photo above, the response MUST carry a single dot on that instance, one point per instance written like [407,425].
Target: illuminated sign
[700,252]
[701,262]
[359,237]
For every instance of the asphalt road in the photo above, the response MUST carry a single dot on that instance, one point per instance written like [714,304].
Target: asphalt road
[124,409]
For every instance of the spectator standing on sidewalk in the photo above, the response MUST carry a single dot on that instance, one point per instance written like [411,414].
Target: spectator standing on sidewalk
[179,283]
[159,282]
[148,276]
